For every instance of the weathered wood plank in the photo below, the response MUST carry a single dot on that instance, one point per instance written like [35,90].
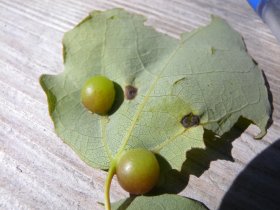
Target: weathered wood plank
[37,170]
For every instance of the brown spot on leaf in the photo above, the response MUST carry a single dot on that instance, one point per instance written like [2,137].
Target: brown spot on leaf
[190,120]
[130,92]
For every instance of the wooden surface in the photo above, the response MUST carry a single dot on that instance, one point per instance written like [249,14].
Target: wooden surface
[38,171]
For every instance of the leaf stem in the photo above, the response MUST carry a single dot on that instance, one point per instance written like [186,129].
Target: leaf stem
[111,173]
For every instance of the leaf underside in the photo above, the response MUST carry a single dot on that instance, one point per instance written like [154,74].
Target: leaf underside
[161,202]
[207,73]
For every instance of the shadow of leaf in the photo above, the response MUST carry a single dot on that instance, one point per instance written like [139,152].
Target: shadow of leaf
[258,185]
[198,160]
[270,99]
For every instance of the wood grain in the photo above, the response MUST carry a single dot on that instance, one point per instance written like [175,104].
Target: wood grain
[37,170]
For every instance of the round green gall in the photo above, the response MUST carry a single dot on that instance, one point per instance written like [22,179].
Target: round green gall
[98,94]
[137,171]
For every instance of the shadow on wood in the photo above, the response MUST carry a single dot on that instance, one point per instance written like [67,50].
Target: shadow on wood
[258,185]
[270,99]
[198,160]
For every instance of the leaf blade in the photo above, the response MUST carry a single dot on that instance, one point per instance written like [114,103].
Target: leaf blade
[173,79]
[161,202]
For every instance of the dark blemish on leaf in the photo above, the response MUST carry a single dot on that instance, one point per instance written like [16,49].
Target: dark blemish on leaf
[179,80]
[190,120]
[130,92]
[213,50]
[112,17]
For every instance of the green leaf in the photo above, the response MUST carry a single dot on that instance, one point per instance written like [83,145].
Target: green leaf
[206,75]
[161,202]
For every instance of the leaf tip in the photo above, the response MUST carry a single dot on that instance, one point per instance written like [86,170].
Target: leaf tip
[263,127]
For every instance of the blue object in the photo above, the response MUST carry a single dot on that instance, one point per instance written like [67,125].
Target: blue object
[269,11]
[254,4]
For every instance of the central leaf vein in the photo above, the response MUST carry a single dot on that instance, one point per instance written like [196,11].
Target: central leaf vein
[144,102]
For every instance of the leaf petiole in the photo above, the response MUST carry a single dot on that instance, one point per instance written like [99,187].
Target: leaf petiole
[111,173]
